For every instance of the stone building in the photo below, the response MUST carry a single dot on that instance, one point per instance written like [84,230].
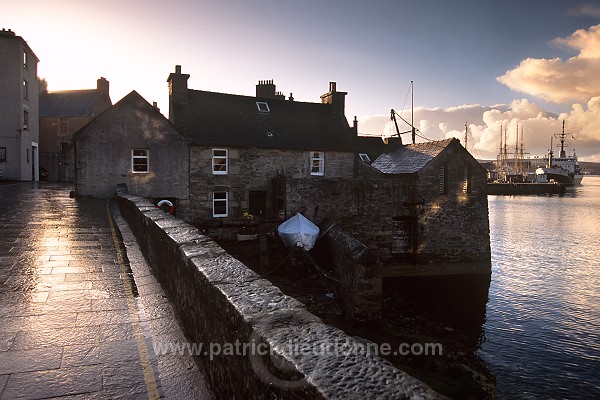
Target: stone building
[61,114]
[240,143]
[417,204]
[19,102]
[131,143]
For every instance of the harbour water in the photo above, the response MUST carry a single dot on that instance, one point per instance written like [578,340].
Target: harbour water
[541,335]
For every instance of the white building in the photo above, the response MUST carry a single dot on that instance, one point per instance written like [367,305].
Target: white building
[19,109]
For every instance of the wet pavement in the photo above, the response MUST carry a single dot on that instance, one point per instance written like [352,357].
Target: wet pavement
[73,324]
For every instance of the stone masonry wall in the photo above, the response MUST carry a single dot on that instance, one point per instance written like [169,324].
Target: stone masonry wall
[404,219]
[366,209]
[252,169]
[359,284]
[220,300]
[103,154]
[454,226]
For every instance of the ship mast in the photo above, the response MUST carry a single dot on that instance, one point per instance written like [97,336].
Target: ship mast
[517,170]
[505,152]
[412,111]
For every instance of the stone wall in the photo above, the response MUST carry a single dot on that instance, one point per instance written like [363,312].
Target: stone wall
[404,219]
[220,300]
[251,169]
[103,153]
[454,226]
[367,209]
[358,277]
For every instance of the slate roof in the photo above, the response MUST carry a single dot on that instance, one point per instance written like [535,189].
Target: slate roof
[410,158]
[217,119]
[134,101]
[70,103]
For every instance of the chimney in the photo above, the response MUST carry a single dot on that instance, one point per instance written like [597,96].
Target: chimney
[291,96]
[178,89]
[335,98]
[355,125]
[103,86]
[265,89]
[43,85]
[155,105]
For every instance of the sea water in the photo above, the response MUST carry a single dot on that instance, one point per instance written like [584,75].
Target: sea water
[541,335]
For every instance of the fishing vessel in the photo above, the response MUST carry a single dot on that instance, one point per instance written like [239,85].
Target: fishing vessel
[563,169]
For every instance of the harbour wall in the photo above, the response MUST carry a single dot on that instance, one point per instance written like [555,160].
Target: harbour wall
[220,301]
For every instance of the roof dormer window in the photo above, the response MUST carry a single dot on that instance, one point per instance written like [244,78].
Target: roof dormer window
[262,107]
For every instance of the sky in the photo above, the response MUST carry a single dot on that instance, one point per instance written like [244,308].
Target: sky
[520,64]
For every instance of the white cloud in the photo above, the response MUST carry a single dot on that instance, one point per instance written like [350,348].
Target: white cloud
[484,127]
[559,81]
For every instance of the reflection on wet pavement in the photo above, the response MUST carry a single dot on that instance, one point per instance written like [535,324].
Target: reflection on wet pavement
[69,324]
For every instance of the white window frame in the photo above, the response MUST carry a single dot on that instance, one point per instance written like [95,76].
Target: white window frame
[216,200]
[319,157]
[146,157]
[263,107]
[220,157]
[364,157]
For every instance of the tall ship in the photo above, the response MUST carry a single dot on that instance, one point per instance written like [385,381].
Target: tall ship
[563,169]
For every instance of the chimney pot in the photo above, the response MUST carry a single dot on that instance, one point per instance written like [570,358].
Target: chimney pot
[178,69]
[332,86]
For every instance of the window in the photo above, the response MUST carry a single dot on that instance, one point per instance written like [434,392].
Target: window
[25,119]
[2,153]
[467,179]
[24,59]
[364,157]
[443,179]
[262,107]
[64,126]
[317,163]
[63,146]
[219,161]
[25,90]
[140,160]
[220,204]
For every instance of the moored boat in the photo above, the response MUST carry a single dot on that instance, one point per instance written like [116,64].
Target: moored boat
[298,231]
[563,169]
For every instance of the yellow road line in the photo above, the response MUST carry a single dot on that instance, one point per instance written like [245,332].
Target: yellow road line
[149,376]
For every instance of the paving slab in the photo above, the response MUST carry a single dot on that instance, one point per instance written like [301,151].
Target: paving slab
[72,324]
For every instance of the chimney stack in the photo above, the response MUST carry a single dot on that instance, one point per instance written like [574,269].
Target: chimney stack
[265,89]
[335,98]
[103,87]
[178,89]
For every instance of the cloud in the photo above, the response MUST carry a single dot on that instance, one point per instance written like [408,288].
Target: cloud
[559,81]
[585,11]
[484,124]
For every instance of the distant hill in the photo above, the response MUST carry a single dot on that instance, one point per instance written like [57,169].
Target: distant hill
[591,167]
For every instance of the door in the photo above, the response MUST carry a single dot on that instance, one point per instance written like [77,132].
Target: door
[258,203]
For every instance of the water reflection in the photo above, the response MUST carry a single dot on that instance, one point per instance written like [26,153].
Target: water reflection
[542,326]
[451,308]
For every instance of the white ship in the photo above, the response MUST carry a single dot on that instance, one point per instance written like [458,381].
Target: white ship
[563,169]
